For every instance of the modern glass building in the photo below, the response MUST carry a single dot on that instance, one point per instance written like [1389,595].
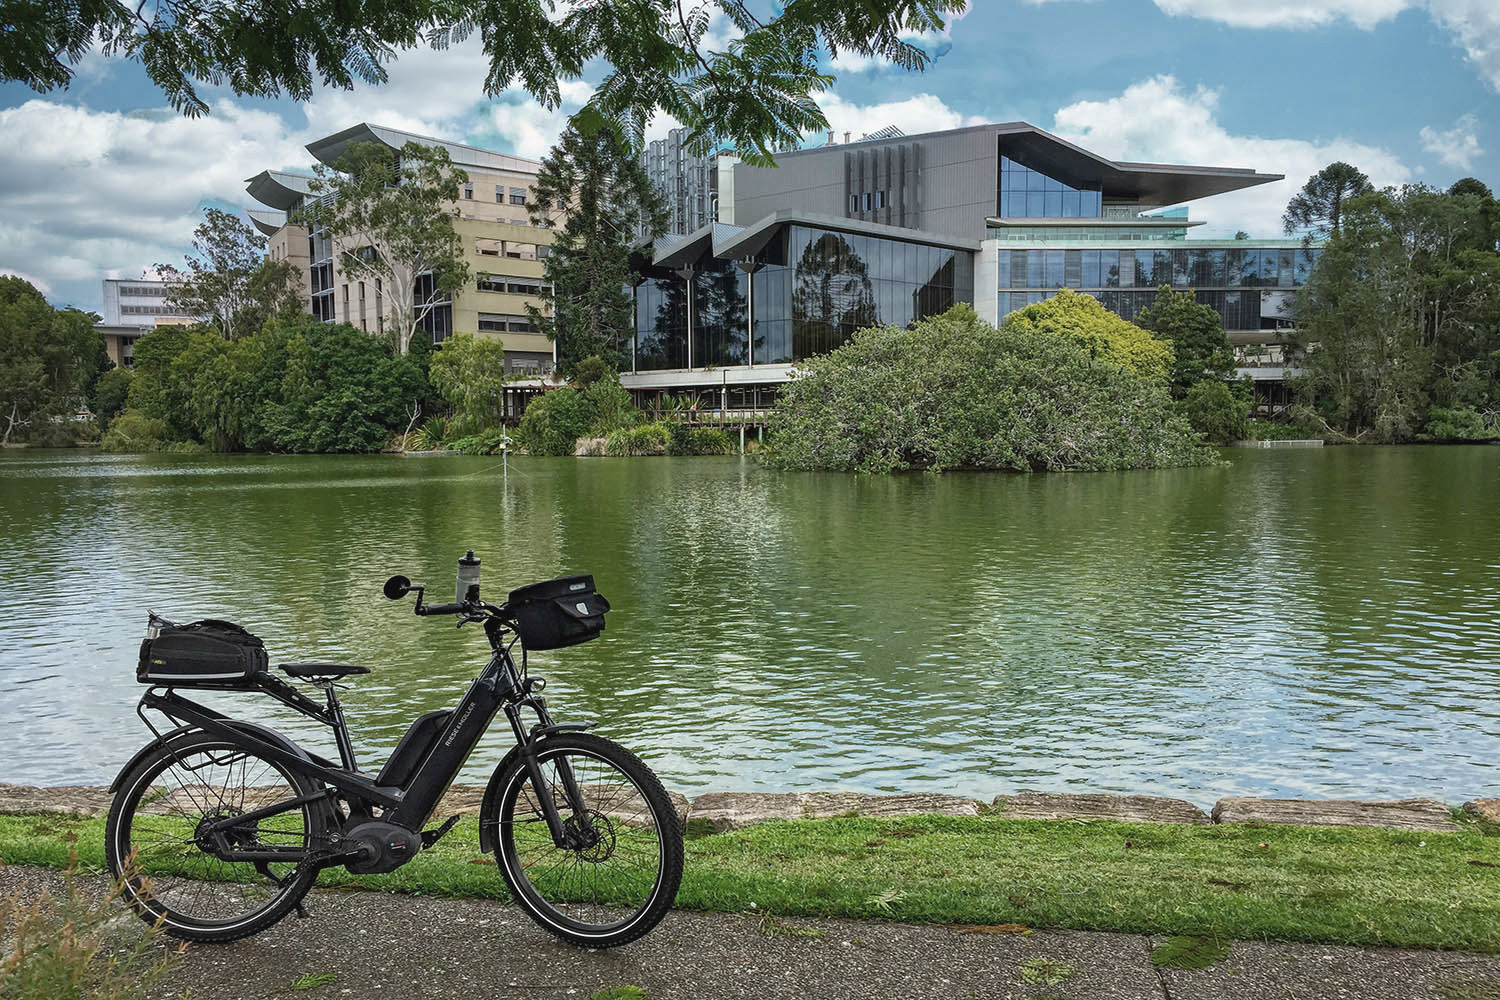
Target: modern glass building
[787,290]
[896,228]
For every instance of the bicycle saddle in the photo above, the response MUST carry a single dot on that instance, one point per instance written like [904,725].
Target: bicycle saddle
[306,671]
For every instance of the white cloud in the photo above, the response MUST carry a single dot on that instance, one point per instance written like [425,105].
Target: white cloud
[1158,121]
[918,113]
[1458,146]
[1477,25]
[1474,23]
[88,191]
[40,285]
[935,44]
[1287,13]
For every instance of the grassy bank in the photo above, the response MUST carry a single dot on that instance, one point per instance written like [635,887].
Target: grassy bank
[1317,884]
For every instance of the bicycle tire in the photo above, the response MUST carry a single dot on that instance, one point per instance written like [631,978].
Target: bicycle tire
[664,830]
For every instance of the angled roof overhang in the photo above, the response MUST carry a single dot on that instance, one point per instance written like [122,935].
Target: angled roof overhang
[1148,183]
[331,148]
[278,189]
[268,222]
[750,240]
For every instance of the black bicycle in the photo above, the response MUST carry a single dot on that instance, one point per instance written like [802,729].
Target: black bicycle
[219,827]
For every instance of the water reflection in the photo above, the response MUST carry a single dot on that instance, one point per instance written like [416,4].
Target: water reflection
[1320,623]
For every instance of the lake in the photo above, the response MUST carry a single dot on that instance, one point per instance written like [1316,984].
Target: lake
[1318,622]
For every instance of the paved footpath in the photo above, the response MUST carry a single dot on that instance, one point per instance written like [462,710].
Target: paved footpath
[397,947]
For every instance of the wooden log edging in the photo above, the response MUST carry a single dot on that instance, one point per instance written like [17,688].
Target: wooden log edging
[722,811]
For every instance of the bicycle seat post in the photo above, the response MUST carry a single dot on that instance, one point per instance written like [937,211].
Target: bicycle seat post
[335,713]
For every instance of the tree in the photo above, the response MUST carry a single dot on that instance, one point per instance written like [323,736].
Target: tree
[1361,309]
[606,193]
[1217,412]
[1471,185]
[48,358]
[756,89]
[1107,337]
[391,220]
[228,281]
[954,392]
[470,373]
[1196,333]
[110,392]
[1318,207]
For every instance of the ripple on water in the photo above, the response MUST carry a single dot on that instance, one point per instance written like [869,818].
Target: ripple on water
[1319,624]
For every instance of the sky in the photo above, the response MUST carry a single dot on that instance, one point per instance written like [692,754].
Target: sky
[103,180]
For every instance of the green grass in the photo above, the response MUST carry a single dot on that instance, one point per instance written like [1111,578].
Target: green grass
[1335,885]
[312,980]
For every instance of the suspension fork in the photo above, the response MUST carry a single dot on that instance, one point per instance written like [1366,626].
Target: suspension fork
[581,835]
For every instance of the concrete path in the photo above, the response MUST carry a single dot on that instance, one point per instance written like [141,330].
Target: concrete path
[399,947]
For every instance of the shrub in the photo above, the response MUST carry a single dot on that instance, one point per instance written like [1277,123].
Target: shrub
[591,370]
[132,430]
[554,422]
[954,392]
[1463,423]
[1105,336]
[648,439]
[614,409]
[487,443]
[1217,412]
[69,947]
[684,439]
[47,432]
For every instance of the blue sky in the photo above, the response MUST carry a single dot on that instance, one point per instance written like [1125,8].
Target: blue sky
[102,180]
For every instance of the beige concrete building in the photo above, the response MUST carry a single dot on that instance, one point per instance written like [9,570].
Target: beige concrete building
[133,308]
[492,212]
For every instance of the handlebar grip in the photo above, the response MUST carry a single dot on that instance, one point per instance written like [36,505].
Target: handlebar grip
[442,609]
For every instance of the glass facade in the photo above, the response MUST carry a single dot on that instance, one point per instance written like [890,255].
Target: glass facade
[813,289]
[1026,193]
[1217,275]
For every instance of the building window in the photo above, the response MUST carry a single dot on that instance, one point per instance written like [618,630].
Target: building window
[499,194]
[1029,193]
[518,196]
[469,190]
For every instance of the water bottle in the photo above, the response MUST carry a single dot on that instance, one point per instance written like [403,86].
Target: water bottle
[468,578]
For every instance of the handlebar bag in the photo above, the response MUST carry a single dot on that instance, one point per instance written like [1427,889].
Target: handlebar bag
[208,653]
[557,613]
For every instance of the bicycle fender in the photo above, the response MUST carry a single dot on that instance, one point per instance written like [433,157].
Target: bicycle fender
[270,735]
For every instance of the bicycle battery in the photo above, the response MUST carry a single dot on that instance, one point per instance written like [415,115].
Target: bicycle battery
[413,749]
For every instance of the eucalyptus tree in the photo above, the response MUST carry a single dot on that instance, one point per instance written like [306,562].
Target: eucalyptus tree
[390,218]
[727,69]
[227,281]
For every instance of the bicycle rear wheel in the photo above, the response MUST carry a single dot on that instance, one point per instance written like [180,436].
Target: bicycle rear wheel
[623,875]
[156,842]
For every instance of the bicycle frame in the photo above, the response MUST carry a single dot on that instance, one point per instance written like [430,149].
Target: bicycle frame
[499,686]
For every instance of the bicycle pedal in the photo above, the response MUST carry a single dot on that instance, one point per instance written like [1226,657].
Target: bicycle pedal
[430,837]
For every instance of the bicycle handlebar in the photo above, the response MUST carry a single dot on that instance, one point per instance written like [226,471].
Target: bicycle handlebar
[443,609]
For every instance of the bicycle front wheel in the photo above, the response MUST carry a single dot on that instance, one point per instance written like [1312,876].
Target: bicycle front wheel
[159,843]
[620,871]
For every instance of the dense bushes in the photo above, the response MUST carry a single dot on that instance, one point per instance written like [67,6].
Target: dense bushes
[954,392]
[554,422]
[684,439]
[298,386]
[1104,336]
[648,439]
[1217,412]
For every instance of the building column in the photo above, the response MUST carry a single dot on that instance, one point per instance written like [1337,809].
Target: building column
[686,273]
[750,265]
